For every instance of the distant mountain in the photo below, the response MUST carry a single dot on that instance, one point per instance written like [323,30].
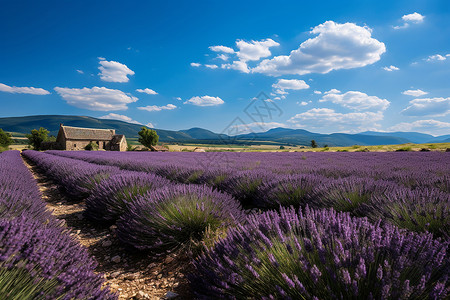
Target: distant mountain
[276,136]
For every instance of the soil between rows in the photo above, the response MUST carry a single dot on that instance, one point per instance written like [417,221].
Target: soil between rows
[134,275]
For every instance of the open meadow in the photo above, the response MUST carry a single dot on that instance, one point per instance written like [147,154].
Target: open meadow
[226,225]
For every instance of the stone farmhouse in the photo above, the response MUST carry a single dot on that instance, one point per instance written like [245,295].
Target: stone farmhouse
[76,138]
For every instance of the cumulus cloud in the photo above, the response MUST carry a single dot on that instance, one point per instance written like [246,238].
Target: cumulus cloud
[356,100]
[254,50]
[22,90]
[428,107]
[289,84]
[223,57]
[320,118]
[221,49]
[391,68]
[336,46]
[303,103]
[113,71]
[414,93]
[427,126]
[237,65]
[158,108]
[333,91]
[193,64]
[414,18]
[147,91]
[436,57]
[96,98]
[205,101]
[317,92]
[113,116]
[211,66]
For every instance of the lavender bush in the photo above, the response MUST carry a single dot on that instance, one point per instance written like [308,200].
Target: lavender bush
[174,216]
[109,200]
[417,210]
[321,254]
[58,266]
[291,190]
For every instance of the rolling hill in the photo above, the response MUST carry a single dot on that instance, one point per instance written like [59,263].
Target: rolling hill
[278,136]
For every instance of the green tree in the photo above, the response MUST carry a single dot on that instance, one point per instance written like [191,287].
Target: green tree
[37,137]
[5,138]
[148,137]
[313,144]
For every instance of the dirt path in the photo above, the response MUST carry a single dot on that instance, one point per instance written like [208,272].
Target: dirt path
[133,275]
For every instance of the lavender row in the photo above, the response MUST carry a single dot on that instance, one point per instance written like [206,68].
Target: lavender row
[151,212]
[321,254]
[410,169]
[39,259]
[422,208]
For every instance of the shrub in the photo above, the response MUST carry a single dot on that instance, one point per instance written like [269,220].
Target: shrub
[176,216]
[109,200]
[291,190]
[321,254]
[48,258]
[92,146]
[348,194]
[37,137]
[5,139]
[417,210]
[245,185]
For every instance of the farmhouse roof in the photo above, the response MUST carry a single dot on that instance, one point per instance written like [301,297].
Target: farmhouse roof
[78,133]
[117,138]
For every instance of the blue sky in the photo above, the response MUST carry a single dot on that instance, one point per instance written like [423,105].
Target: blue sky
[325,66]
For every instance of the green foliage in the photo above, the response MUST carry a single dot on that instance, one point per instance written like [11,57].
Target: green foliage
[5,138]
[281,147]
[148,137]
[313,144]
[37,137]
[18,284]
[131,147]
[92,146]
[407,148]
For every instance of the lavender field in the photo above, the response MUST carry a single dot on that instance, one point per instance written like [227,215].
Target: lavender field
[254,225]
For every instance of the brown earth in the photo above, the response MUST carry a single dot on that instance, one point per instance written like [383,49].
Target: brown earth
[134,275]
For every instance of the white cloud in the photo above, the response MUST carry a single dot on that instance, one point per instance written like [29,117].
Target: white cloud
[193,64]
[150,125]
[414,93]
[426,126]
[80,72]
[254,50]
[178,98]
[317,92]
[211,66]
[223,57]
[333,91]
[428,107]
[113,71]
[289,84]
[356,100]
[22,90]
[147,91]
[391,68]
[158,108]
[205,101]
[436,57]
[96,98]
[221,49]
[321,118]
[237,65]
[414,18]
[113,116]
[337,46]
[303,103]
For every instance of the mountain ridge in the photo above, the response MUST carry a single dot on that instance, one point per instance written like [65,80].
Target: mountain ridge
[278,136]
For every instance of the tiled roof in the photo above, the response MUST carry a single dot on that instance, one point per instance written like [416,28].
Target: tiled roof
[77,133]
[117,138]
